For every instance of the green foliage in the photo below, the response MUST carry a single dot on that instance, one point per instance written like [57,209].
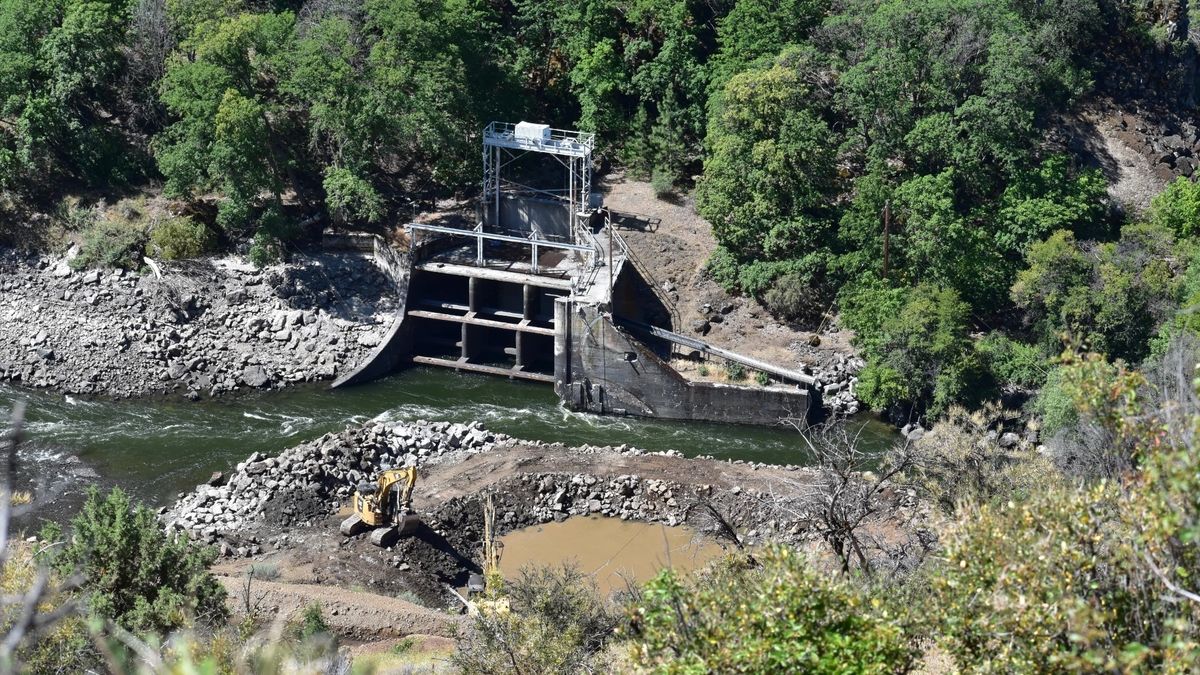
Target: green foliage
[62,63]
[1054,404]
[1025,586]
[793,298]
[785,617]
[1056,583]
[771,168]
[111,243]
[762,378]
[880,387]
[1177,208]
[312,622]
[958,464]
[180,237]
[67,646]
[735,371]
[403,646]
[919,352]
[265,249]
[554,623]
[1109,297]
[662,182]
[264,571]
[1013,363]
[134,573]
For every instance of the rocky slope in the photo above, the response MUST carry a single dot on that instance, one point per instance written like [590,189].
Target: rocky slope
[203,328]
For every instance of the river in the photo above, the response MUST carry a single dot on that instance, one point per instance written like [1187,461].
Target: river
[156,448]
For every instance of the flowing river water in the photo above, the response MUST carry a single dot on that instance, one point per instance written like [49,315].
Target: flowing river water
[156,448]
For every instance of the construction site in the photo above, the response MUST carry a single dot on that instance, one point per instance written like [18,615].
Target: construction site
[540,285]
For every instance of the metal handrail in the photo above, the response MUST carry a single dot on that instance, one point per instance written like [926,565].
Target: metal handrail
[507,131]
[644,269]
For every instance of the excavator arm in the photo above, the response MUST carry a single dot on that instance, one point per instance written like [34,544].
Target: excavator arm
[406,479]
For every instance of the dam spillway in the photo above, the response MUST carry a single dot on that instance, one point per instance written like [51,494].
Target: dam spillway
[542,287]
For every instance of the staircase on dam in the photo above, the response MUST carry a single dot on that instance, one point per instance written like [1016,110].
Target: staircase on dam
[543,288]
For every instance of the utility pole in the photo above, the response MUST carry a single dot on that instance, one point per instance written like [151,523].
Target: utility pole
[887,226]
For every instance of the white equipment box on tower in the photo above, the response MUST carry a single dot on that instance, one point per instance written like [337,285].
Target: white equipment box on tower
[528,131]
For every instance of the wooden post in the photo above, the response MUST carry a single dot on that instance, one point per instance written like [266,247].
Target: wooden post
[887,226]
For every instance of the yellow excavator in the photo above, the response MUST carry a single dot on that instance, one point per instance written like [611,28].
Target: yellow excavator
[385,508]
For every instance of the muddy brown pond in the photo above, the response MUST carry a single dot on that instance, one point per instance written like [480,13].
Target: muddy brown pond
[609,550]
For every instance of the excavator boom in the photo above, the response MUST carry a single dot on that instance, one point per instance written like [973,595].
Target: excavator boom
[388,511]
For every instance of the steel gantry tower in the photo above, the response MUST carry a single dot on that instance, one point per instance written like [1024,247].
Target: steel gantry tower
[504,143]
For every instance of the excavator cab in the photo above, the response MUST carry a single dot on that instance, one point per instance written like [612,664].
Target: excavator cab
[384,507]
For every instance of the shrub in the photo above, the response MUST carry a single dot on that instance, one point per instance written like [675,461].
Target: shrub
[792,298]
[134,573]
[264,571]
[1177,207]
[783,618]
[918,347]
[1011,362]
[1054,404]
[111,244]
[956,463]
[880,387]
[312,622]
[554,623]
[735,371]
[762,378]
[72,217]
[179,238]
[723,267]
[1049,585]
[66,647]
[265,249]
[662,182]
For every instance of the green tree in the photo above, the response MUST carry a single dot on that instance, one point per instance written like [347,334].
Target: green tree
[1111,297]
[133,572]
[784,617]
[920,353]
[771,169]
[230,127]
[59,97]
[1177,208]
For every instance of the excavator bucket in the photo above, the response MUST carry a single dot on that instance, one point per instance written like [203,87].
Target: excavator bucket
[408,524]
[353,524]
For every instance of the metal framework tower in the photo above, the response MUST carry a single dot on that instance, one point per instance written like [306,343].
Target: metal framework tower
[504,143]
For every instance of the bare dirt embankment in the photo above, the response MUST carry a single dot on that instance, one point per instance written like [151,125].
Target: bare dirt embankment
[675,243]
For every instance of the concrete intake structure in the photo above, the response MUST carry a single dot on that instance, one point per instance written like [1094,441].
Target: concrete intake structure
[519,297]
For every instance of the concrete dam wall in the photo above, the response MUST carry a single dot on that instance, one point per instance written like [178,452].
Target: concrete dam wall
[561,326]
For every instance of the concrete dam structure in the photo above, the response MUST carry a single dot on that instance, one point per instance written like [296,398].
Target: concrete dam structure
[543,288]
